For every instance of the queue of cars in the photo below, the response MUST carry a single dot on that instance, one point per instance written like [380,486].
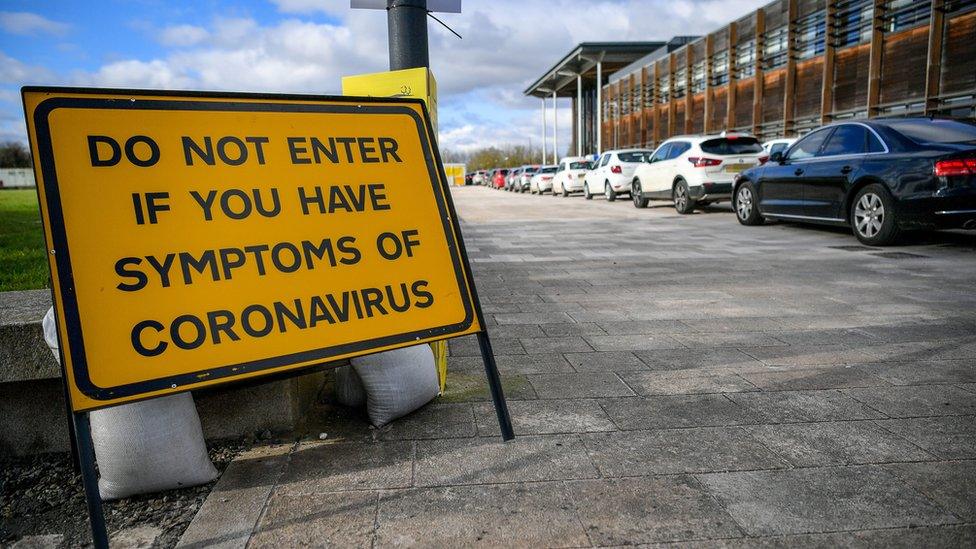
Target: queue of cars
[880,176]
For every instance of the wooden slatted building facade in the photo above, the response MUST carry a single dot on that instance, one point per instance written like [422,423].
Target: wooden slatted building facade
[794,65]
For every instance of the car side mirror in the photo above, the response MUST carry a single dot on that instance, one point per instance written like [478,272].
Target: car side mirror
[776,157]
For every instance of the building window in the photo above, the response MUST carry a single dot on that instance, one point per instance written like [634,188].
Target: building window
[698,77]
[648,95]
[664,89]
[811,32]
[852,23]
[905,14]
[680,82]
[775,48]
[745,59]
[720,68]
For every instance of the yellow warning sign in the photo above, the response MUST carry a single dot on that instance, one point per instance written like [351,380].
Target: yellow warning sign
[201,238]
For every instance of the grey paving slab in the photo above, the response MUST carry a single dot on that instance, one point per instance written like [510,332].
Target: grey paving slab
[568,344]
[807,355]
[920,373]
[689,359]
[686,382]
[734,340]
[632,342]
[948,437]
[489,460]
[665,412]
[472,386]
[468,346]
[915,401]
[605,361]
[824,499]
[317,520]
[912,537]
[670,451]
[435,420]
[515,331]
[512,515]
[808,378]
[849,336]
[532,318]
[325,467]
[579,385]
[539,417]
[580,329]
[837,443]
[738,324]
[629,327]
[805,406]
[649,510]
[230,513]
[951,484]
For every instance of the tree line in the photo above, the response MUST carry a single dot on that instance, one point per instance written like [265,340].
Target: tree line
[14,154]
[505,156]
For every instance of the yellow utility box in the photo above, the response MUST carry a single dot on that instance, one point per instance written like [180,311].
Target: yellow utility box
[455,173]
[417,83]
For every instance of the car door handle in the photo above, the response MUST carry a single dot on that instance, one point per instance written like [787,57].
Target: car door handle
[846,169]
[798,172]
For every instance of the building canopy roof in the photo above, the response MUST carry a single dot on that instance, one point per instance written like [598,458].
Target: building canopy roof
[582,60]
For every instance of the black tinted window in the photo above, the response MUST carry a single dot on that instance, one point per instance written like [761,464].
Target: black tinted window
[548,169]
[584,165]
[739,145]
[808,146]
[936,131]
[846,139]
[634,156]
[677,149]
[503,172]
[778,147]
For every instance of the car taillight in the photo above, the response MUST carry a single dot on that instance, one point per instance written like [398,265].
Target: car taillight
[702,162]
[763,159]
[546,177]
[616,169]
[955,166]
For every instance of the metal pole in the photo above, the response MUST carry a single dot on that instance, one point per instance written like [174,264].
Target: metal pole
[599,107]
[579,115]
[89,479]
[545,125]
[407,25]
[555,131]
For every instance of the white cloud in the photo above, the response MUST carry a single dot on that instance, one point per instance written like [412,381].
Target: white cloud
[28,24]
[16,72]
[182,36]
[332,7]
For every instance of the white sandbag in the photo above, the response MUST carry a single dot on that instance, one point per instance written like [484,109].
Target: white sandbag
[145,446]
[349,388]
[397,382]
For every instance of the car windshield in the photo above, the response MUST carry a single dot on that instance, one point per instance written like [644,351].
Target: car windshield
[936,130]
[503,172]
[548,169]
[725,146]
[532,169]
[583,165]
[633,156]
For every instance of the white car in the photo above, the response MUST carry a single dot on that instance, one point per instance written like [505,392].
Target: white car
[613,173]
[569,175]
[778,145]
[479,178]
[541,182]
[695,170]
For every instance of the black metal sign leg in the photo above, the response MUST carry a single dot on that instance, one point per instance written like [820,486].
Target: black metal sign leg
[495,384]
[86,455]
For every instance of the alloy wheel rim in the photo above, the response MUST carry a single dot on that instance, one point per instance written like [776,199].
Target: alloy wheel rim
[743,205]
[869,215]
[606,191]
[636,193]
[679,197]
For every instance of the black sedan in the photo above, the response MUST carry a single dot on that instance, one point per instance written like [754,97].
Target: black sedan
[880,176]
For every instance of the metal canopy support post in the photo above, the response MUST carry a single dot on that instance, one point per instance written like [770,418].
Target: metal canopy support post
[545,124]
[599,107]
[555,131]
[407,27]
[579,115]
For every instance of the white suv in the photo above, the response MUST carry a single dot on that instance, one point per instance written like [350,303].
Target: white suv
[569,175]
[613,173]
[695,170]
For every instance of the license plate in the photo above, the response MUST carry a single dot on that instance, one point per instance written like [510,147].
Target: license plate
[736,168]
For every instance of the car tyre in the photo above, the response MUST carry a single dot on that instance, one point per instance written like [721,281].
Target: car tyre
[744,205]
[683,202]
[635,194]
[872,216]
[608,192]
[586,192]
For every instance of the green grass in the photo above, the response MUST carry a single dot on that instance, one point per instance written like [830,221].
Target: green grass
[23,262]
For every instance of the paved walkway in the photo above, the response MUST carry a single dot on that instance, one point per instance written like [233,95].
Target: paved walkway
[671,379]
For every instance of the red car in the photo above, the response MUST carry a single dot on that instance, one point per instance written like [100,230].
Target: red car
[498,180]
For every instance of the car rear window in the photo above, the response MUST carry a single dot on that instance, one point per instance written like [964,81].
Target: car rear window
[532,169]
[633,156]
[936,130]
[503,172]
[579,165]
[739,145]
[549,169]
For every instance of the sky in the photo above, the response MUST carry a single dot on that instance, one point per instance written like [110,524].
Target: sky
[306,46]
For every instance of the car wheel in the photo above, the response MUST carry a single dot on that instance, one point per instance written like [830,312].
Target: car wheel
[744,204]
[608,192]
[682,199]
[635,194]
[565,192]
[873,216]
[586,192]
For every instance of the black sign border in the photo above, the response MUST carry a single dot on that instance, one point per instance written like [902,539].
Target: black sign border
[272,103]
